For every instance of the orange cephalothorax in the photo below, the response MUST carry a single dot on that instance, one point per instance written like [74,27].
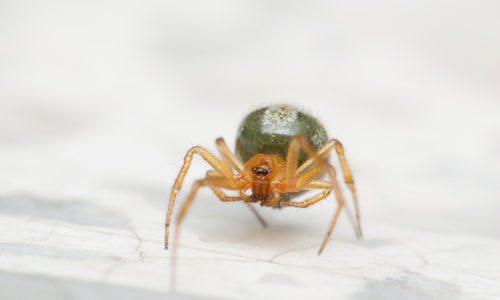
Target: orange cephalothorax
[266,171]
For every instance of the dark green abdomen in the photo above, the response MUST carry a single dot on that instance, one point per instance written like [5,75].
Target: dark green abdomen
[269,130]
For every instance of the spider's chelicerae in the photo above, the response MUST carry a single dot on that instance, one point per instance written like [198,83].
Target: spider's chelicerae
[270,165]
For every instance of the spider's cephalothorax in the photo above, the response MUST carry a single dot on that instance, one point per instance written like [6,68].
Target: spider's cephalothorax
[267,172]
[280,151]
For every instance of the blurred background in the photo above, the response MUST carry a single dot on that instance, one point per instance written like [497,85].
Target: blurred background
[105,97]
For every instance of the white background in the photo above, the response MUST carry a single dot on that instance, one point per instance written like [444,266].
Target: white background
[100,100]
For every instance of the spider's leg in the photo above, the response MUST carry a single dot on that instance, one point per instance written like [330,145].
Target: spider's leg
[348,180]
[323,152]
[300,142]
[257,215]
[292,159]
[272,201]
[229,158]
[223,197]
[212,182]
[313,185]
[208,157]
[327,188]
[307,177]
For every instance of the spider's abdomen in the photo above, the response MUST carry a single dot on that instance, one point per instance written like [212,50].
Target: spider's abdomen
[269,130]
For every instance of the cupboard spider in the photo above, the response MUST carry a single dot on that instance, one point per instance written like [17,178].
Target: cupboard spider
[280,152]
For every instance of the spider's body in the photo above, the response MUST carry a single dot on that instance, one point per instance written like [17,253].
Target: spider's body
[280,152]
[269,130]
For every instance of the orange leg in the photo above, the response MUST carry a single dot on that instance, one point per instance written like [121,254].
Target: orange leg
[214,182]
[327,188]
[243,196]
[313,185]
[208,157]
[273,201]
[292,159]
[323,152]
[301,182]
[314,173]
[224,197]
[229,158]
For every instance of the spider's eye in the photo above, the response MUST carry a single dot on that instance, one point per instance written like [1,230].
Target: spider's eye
[260,171]
[264,172]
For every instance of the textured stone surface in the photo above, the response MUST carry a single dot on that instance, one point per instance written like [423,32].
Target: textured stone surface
[100,102]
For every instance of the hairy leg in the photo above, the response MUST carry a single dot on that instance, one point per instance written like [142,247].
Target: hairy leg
[321,166]
[226,198]
[313,173]
[228,156]
[215,183]
[299,142]
[223,197]
[327,188]
[180,216]
[323,152]
[218,165]
[313,185]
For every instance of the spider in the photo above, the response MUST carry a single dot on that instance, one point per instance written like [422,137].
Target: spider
[271,143]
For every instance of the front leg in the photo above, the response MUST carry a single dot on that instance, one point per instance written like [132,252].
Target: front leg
[323,152]
[274,201]
[327,188]
[320,167]
[208,157]
[213,182]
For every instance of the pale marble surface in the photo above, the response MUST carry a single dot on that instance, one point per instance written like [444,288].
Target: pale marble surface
[99,102]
